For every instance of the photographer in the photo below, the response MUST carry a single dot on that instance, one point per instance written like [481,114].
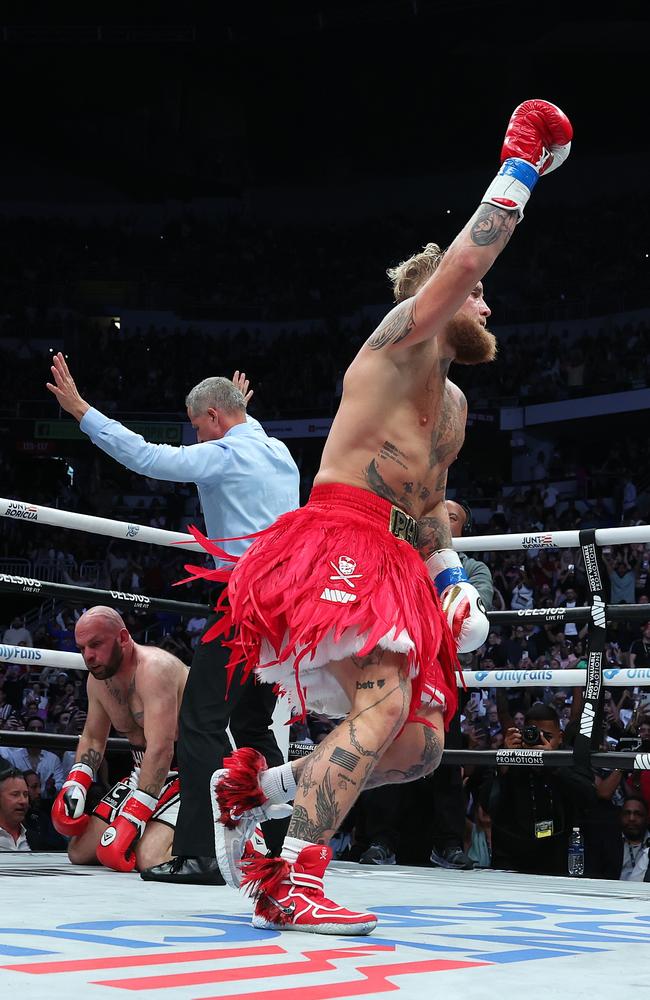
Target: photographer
[533,809]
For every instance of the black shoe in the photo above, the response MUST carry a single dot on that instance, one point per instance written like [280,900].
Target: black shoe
[452,857]
[189,871]
[378,854]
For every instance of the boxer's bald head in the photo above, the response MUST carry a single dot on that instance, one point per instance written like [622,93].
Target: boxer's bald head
[102,638]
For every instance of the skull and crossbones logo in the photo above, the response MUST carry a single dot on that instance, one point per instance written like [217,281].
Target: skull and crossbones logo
[345,570]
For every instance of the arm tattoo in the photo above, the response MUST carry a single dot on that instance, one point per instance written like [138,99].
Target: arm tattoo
[395,326]
[153,788]
[492,224]
[92,758]
[434,534]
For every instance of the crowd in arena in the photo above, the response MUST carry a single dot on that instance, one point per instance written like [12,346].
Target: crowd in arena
[298,368]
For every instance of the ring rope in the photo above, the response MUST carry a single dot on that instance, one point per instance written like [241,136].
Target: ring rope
[597,614]
[619,677]
[81,595]
[524,757]
[34,513]
[84,595]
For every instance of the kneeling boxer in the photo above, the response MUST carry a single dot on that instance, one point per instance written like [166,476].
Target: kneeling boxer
[137,690]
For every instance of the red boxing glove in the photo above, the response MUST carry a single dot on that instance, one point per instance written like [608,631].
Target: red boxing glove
[116,846]
[538,140]
[539,133]
[68,815]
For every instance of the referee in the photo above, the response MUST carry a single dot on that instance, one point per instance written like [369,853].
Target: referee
[245,480]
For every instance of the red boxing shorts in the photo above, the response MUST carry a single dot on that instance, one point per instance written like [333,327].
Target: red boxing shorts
[333,579]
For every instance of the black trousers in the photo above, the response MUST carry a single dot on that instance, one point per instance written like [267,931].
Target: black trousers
[203,743]
[447,800]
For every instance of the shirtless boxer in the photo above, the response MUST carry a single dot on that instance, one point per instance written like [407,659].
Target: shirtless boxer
[137,690]
[357,604]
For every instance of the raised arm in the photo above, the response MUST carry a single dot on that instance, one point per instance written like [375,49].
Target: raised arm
[538,140]
[196,463]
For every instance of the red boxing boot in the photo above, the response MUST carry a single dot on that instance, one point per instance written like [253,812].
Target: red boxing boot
[290,897]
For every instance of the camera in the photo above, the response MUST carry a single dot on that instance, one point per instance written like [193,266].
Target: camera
[530,735]
[632,744]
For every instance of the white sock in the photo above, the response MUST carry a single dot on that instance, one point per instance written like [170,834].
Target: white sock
[292,848]
[278,784]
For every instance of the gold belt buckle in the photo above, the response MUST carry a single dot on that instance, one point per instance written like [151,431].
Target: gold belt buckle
[404,526]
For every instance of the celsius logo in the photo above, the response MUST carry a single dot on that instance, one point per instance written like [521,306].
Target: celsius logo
[119,595]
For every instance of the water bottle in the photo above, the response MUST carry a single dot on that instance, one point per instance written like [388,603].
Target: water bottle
[576,853]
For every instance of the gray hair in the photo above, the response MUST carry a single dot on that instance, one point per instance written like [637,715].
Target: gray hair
[218,392]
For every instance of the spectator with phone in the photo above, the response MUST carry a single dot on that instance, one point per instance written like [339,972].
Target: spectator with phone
[521,596]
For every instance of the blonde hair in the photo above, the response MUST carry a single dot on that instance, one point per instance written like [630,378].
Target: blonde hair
[411,274]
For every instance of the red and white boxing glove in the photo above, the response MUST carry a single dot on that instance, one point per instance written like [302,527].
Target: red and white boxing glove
[538,140]
[461,601]
[68,809]
[116,846]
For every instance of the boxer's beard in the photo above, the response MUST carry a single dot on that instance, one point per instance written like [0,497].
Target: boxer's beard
[471,342]
[102,671]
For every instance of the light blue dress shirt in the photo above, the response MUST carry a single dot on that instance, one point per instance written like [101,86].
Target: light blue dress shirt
[245,480]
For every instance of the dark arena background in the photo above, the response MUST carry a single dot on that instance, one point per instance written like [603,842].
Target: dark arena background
[192,190]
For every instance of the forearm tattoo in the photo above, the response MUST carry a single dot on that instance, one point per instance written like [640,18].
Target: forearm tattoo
[154,786]
[435,534]
[492,224]
[92,758]
[395,326]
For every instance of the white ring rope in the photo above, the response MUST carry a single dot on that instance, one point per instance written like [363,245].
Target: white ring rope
[552,539]
[622,677]
[34,513]
[614,677]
